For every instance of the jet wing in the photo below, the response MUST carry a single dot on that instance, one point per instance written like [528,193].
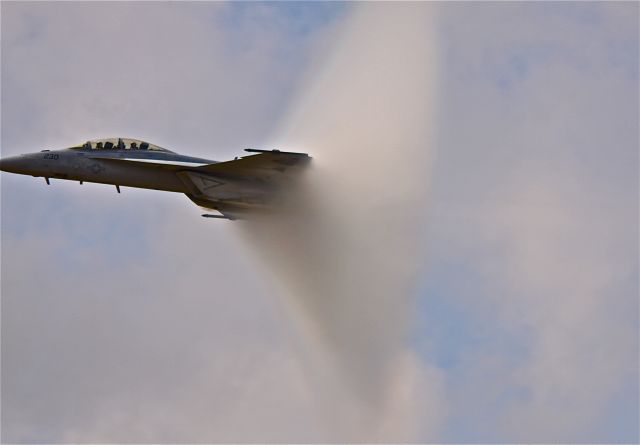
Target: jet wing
[266,165]
[243,186]
[272,165]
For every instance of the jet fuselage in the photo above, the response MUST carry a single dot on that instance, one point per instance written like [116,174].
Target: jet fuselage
[237,189]
[145,170]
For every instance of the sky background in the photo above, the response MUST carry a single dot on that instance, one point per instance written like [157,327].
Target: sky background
[128,318]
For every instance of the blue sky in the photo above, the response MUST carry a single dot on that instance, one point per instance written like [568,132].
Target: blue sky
[130,318]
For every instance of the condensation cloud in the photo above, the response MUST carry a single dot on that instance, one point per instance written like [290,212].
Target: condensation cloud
[347,249]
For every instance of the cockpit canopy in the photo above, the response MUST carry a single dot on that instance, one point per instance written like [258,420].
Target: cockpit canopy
[119,144]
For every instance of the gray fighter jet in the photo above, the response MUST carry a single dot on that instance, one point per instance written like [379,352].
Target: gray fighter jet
[236,189]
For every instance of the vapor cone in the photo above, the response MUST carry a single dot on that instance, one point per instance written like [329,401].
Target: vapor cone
[347,249]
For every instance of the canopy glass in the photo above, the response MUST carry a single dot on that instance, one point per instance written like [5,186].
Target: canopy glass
[119,144]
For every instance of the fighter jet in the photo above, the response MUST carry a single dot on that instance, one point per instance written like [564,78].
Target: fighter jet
[236,189]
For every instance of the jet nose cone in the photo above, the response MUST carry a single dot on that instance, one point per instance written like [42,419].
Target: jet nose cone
[10,164]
